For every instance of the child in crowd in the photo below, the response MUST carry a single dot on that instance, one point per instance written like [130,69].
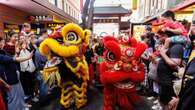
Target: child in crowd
[175,30]
[26,30]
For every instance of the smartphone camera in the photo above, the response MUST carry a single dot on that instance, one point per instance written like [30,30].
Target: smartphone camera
[193,22]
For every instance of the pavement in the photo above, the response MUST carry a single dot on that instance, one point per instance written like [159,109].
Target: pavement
[95,102]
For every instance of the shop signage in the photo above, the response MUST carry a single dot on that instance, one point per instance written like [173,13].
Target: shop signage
[40,18]
[183,16]
[8,27]
[106,20]
[11,26]
[53,25]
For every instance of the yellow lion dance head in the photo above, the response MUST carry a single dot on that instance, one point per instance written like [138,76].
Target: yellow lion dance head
[66,43]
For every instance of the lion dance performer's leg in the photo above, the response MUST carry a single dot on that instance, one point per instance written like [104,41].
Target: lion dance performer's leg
[67,94]
[123,99]
[81,98]
[109,98]
[81,93]
[74,93]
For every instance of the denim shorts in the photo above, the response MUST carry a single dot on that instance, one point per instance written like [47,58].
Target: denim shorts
[179,39]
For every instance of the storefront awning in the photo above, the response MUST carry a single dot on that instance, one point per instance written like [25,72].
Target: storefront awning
[39,8]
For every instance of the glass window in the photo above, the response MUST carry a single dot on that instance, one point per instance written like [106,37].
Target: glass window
[78,16]
[64,6]
[56,3]
[59,4]
[69,11]
[52,2]
[73,13]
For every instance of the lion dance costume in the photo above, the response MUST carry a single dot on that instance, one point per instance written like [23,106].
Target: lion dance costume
[66,64]
[121,71]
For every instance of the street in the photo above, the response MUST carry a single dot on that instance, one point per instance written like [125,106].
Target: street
[95,102]
[83,46]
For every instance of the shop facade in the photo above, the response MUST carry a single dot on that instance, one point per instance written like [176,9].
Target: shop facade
[185,10]
[39,13]
[11,18]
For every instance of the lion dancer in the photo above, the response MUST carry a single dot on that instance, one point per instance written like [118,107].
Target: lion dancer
[121,71]
[66,64]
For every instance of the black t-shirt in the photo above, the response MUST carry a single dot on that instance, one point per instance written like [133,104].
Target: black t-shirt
[164,71]
[99,50]
[89,54]
[191,68]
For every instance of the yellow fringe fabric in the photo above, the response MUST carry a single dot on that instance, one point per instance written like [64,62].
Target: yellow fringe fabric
[51,75]
[81,66]
[74,93]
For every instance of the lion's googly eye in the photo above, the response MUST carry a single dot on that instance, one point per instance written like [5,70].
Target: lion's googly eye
[72,36]
[110,56]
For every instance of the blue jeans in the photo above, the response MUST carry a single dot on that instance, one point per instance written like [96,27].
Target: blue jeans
[43,87]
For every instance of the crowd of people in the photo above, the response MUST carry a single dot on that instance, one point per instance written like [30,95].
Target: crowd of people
[169,64]
[21,83]
[171,50]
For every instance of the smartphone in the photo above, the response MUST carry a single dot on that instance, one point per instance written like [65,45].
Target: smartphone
[193,22]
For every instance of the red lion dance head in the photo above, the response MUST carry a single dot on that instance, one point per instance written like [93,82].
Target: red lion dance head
[121,71]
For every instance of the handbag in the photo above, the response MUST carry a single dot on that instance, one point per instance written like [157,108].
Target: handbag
[152,74]
[177,83]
